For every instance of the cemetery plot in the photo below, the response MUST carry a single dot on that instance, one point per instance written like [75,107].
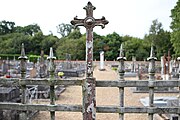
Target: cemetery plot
[87,84]
[70,68]
[163,101]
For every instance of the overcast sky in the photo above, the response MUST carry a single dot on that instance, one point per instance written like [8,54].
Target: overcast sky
[126,17]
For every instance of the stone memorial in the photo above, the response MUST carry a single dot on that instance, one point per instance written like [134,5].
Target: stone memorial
[4,67]
[133,65]
[71,69]
[163,102]
[165,71]
[9,94]
[165,66]
[42,66]
[68,63]
[102,61]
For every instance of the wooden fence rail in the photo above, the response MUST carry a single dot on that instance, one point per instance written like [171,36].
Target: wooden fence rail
[78,108]
[99,83]
[99,109]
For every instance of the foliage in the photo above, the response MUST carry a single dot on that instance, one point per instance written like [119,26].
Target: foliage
[70,46]
[28,30]
[47,42]
[6,27]
[33,58]
[9,56]
[135,47]
[113,42]
[75,34]
[159,38]
[11,43]
[99,45]
[74,43]
[175,26]
[114,68]
[64,29]
[30,35]
[36,43]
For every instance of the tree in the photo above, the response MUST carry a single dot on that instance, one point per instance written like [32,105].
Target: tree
[36,43]
[47,42]
[71,46]
[29,29]
[135,47]
[99,44]
[64,29]
[75,34]
[11,43]
[155,29]
[6,27]
[175,26]
[112,43]
[159,38]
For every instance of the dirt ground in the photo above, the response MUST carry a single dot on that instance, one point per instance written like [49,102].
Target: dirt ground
[104,96]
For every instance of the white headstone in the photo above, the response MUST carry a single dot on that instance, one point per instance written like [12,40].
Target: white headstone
[162,69]
[179,66]
[102,60]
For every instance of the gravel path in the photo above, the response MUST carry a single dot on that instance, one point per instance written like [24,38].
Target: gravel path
[105,96]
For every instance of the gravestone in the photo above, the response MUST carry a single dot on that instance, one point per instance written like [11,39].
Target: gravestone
[68,64]
[165,65]
[42,66]
[4,67]
[133,66]
[162,68]
[158,89]
[179,66]
[71,69]
[158,101]
[130,74]
[9,94]
[163,102]
[33,72]
[43,91]
[132,69]
[174,72]
[102,61]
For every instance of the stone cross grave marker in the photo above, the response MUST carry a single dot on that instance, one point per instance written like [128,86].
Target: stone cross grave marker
[102,61]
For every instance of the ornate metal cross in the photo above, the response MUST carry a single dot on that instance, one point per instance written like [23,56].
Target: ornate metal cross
[89,23]
[89,100]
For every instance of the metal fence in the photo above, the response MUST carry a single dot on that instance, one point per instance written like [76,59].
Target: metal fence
[120,83]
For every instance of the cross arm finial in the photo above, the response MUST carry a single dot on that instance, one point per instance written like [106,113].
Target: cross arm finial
[77,22]
[89,21]
[101,22]
[89,9]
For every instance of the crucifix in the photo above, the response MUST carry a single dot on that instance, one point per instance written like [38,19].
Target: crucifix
[89,84]
[89,23]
